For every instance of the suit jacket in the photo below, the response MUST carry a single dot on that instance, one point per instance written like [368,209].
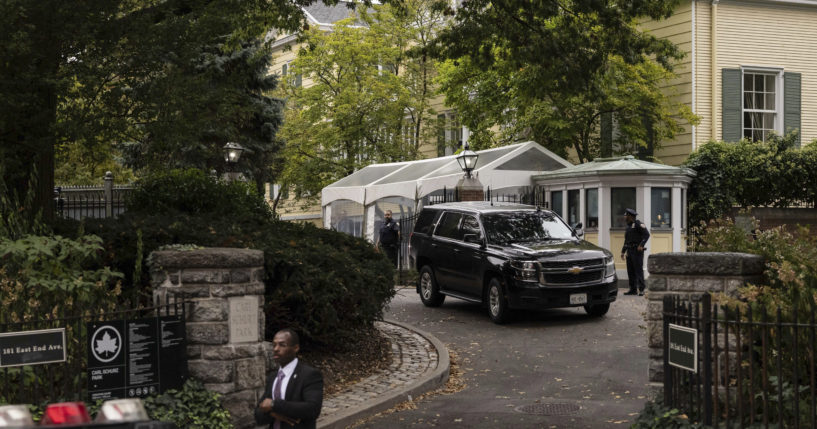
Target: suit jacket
[302,400]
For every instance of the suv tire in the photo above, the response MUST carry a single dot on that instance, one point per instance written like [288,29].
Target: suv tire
[597,310]
[429,290]
[497,304]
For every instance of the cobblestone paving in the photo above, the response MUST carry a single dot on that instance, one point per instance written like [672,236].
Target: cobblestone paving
[412,356]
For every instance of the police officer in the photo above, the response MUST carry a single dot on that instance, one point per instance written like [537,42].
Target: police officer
[635,240]
[389,237]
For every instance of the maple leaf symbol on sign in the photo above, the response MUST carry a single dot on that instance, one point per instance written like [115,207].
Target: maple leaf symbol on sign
[106,344]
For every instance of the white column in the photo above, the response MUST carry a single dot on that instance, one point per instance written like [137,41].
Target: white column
[604,219]
[676,219]
[643,196]
[582,207]
[564,203]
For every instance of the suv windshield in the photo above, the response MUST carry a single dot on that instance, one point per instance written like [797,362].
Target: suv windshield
[516,227]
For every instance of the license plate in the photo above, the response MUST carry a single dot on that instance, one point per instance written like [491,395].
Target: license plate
[578,298]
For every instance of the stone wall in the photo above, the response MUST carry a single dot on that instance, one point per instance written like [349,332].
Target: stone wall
[772,217]
[690,275]
[225,320]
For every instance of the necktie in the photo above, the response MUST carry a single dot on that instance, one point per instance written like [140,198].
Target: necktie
[276,394]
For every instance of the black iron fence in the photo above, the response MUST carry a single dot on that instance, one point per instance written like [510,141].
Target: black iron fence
[78,202]
[68,380]
[533,196]
[748,369]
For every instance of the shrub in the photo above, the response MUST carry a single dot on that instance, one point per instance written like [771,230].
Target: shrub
[323,283]
[773,173]
[657,416]
[193,192]
[43,275]
[47,278]
[790,288]
[190,407]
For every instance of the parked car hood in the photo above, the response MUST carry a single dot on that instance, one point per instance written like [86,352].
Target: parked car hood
[551,248]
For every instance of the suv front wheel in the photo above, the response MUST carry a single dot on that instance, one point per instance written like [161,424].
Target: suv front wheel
[429,291]
[497,304]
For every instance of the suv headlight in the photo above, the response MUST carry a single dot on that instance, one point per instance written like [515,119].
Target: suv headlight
[525,270]
[609,266]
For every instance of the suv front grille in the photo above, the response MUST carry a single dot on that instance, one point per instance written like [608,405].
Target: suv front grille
[567,278]
[548,265]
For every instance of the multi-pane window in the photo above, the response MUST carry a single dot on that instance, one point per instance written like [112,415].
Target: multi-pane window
[573,201]
[761,109]
[621,199]
[591,198]
[294,80]
[449,133]
[661,203]
[556,199]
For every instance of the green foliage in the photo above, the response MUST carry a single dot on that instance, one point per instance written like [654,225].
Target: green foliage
[789,289]
[190,407]
[193,192]
[773,173]
[125,71]
[369,100]
[19,216]
[324,283]
[567,42]
[501,97]
[657,416]
[549,68]
[42,275]
[46,278]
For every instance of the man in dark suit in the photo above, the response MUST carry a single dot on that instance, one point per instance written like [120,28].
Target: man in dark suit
[294,394]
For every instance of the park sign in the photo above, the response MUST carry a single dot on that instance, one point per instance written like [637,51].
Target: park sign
[682,347]
[32,347]
[136,358]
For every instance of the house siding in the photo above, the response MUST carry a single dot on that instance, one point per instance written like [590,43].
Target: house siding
[757,33]
[677,29]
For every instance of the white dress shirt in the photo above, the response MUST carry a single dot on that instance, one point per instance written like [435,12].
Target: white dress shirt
[288,370]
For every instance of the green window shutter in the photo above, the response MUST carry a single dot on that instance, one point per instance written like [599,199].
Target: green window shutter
[731,105]
[606,135]
[791,103]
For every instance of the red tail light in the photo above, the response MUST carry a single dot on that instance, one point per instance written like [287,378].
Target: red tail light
[65,413]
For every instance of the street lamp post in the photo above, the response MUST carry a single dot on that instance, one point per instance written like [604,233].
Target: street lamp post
[469,188]
[232,154]
[467,160]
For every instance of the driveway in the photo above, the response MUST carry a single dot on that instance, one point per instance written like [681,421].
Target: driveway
[552,369]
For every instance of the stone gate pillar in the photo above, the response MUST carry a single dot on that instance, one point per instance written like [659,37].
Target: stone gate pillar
[690,275]
[225,320]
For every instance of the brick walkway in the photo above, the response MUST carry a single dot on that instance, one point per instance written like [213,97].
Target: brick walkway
[413,356]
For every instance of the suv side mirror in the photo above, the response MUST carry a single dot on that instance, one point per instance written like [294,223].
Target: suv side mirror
[472,238]
[578,231]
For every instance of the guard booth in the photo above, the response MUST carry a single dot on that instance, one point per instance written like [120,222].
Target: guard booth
[596,194]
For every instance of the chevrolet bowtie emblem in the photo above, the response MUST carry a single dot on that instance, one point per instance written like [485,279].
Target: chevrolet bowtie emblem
[575,270]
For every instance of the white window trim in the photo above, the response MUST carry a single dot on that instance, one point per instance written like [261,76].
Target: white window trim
[778,97]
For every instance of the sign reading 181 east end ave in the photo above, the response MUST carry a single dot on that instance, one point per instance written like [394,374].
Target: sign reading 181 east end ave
[135,358]
[32,347]
[682,347]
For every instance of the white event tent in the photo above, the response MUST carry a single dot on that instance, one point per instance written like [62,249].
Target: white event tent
[356,203]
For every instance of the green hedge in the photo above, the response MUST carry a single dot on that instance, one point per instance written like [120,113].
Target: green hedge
[192,406]
[750,174]
[323,283]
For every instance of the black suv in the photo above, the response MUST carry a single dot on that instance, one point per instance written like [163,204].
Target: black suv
[508,256]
